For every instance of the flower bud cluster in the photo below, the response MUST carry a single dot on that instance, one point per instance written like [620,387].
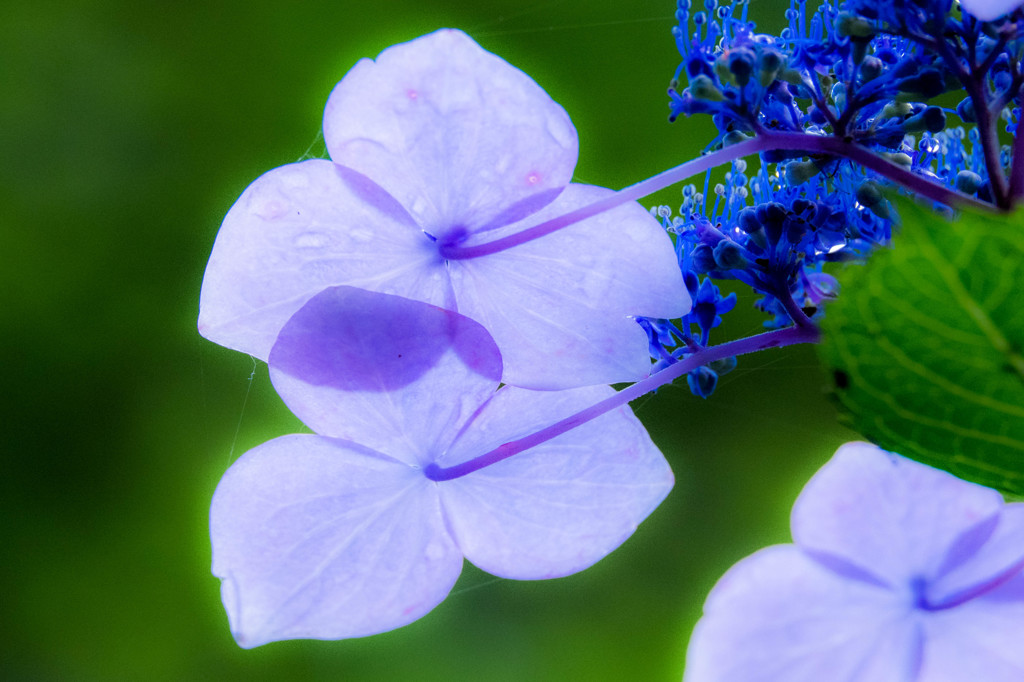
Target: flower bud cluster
[861,70]
[865,73]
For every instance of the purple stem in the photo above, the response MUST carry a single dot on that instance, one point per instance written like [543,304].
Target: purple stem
[1017,168]
[813,144]
[774,339]
[793,309]
[971,78]
[631,193]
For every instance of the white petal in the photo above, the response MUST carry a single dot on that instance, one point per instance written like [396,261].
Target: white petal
[559,507]
[460,137]
[779,616]
[561,306]
[297,230]
[887,515]
[315,539]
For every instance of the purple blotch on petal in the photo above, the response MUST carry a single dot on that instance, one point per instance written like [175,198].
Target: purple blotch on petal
[354,340]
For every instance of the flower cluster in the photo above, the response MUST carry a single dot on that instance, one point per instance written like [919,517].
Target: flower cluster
[391,290]
[841,103]
[445,309]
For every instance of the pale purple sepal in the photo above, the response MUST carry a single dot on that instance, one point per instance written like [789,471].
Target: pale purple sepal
[327,538]
[979,562]
[987,10]
[560,307]
[899,572]
[314,538]
[457,135]
[560,506]
[384,371]
[297,230]
[779,616]
[981,640]
[886,514]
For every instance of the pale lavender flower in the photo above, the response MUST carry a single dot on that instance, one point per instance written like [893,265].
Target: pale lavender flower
[439,145]
[349,533]
[899,572]
[987,10]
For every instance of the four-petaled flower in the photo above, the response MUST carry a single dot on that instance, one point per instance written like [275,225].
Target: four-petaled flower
[899,572]
[439,146]
[363,527]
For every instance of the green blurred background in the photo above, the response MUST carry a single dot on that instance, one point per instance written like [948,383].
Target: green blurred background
[126,132]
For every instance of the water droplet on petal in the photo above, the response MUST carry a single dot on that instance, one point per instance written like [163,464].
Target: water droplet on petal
[271,209]
[533,178]
[309,240]
[361,235]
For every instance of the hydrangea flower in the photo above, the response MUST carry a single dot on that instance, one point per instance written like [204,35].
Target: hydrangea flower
[898,572]
[363,527]
[439,146]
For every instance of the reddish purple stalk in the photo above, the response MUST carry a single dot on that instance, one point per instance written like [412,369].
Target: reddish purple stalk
[803,142]
[774,339]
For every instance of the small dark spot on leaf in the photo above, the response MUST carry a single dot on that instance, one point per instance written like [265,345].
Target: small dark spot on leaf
[841,379]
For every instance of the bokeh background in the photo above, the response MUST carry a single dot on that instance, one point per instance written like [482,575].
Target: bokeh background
[127,130]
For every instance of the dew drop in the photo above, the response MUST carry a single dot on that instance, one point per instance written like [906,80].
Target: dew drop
[271,209]
[411,94]
[533,178]
[362,236]
[434,551]
[309,240]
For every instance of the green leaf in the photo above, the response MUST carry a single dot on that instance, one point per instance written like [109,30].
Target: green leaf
[925,345]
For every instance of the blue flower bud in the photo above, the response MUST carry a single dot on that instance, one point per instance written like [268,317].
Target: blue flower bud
[799,172]
[965,110]
[703,258]
[870,68]
[747,219]
[723,366]
[691,282]
[926,84]
[704,88]
[768,65]
[968,181]
[932,119]
[772,216]
[869,195]
[893,109]
[729,255]
[741,65]
[856,27]
[702,382]
[695,66]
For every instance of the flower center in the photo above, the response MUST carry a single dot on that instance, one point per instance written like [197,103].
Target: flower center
[450,238]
